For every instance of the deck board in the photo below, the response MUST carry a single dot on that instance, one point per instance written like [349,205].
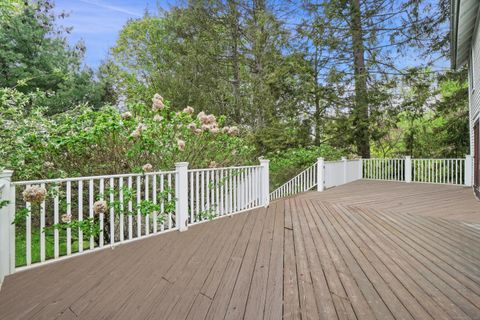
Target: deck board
[365,250]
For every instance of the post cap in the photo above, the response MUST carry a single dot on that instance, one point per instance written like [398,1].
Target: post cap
[344,158]
[6,174]
[181,164]
[320,159]
[264,161]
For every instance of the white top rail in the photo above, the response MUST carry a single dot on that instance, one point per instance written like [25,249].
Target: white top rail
[223,168]
[122,175]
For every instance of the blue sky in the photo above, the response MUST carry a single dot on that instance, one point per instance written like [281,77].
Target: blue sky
[98,22]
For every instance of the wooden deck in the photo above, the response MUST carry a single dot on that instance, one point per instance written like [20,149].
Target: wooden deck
[366,250]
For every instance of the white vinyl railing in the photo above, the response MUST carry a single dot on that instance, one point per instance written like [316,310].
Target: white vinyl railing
[438,171]
[47,220]
[384,169]
[304,181]
[137,205]
[333,173]
[223,191]
[444,171]
[330,173]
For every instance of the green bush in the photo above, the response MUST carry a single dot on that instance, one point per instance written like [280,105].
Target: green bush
[284,165]
[84,141]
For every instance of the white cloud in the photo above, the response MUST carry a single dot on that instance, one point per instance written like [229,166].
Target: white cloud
[112,8]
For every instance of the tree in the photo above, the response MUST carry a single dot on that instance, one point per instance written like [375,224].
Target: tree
[35,56]
[231,58]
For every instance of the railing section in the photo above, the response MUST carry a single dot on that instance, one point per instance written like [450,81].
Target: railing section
[74,215]
[443,171]
[304,181]
[223,191]
[384,169]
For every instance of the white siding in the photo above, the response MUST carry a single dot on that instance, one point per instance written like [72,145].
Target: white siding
[474,96]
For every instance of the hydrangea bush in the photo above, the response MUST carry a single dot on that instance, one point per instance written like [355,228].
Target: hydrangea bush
[84,141]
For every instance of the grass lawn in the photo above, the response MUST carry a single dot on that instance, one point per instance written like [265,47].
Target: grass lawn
[20,247]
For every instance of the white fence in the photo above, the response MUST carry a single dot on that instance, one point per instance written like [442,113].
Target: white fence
[384,169]
[439,171]
[444,171]
[223,191]
[330,173]
[304,181]
[48,220]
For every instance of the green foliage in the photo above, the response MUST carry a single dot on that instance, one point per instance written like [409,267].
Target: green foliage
[205,55]
[20,216]
[286,164]
[208,214]
[89,228]
[4,203]
[92,142]
[35,56]
[431,121]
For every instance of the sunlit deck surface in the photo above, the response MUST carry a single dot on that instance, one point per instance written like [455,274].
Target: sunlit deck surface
[365,250]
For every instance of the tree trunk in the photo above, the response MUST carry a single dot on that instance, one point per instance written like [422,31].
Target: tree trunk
[318,111]
[360,111]
[258,11]
[235,34]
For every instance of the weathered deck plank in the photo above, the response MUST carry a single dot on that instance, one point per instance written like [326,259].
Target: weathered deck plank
[365,250]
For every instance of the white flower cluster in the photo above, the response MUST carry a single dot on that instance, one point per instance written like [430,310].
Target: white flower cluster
[157,102]
[66,218]
[138,130]
[188,110]
[126,115]
[209,122]
[233,131]
[100,206]
[181,145]
[34,194]
[147,167]
[48,165]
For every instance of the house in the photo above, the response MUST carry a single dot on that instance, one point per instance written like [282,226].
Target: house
[465,49]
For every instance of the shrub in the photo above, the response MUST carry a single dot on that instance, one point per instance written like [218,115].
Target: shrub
[84,141]
[284,165]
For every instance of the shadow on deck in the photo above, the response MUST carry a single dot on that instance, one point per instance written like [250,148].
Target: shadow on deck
[364,250]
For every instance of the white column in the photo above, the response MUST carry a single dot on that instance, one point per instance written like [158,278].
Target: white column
[181,195]
[408,169]
[264,163]
[320,174]
[360,168]
[468,170]
[344,160]
[7,230]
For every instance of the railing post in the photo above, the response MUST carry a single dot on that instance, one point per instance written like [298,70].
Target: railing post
[181,195]
[408,169]
[360,168]
[468,170]
[265,182]
[344,160]
[320,174]
[7,230]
